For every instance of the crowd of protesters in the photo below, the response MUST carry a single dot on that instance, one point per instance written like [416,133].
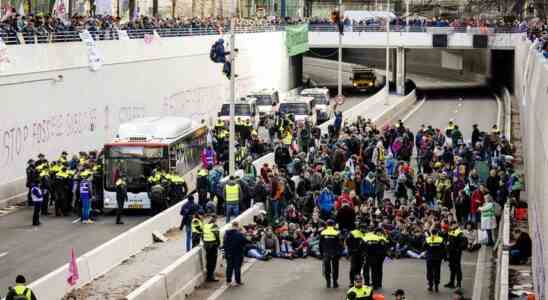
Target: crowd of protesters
[538,32]
[402,185]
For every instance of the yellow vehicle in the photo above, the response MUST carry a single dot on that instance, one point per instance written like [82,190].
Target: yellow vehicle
[363,78]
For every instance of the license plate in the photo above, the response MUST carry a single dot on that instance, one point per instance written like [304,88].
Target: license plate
[135,206]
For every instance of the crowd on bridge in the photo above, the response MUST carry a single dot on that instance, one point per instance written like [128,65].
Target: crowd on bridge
[538,32]
[371,194]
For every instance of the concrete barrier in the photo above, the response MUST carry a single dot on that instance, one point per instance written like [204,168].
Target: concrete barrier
[397,110]
[179,279]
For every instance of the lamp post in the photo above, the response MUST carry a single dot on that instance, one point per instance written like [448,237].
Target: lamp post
[387,81]
[232,137]
[339,71]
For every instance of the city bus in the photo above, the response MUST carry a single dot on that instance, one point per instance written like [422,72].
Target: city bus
[143,145]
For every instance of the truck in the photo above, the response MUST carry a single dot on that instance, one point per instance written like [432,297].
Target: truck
[363,78]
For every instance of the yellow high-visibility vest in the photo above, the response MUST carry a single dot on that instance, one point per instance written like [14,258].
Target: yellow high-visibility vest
[209,232]
[232,193]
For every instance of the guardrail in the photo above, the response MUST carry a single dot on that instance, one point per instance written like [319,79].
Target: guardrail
[12,38]
[507,100]
[180,278]
[503,257]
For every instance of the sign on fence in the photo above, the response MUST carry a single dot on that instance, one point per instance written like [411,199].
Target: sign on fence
[296,39]
[122,35]
[4,56]
[95,60]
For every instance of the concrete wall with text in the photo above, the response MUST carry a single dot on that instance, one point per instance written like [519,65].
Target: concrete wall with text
[170,76]
[531,90]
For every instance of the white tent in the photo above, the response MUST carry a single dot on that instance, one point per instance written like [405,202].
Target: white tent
[362,15]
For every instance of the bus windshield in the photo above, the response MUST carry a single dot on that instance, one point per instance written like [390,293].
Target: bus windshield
[294,108]
[318,99]
[239,110]
[136,163]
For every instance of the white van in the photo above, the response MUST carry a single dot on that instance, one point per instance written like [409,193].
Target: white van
[300,107]
[266,100]
[321,105]
[244,109]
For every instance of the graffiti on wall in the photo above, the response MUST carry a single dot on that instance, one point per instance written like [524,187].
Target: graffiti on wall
[20,138]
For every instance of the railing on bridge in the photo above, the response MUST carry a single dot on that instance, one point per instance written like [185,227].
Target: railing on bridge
[11,38]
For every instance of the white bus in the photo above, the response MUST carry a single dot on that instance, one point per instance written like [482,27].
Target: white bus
[321,103]
[142,145]
[245,109]
[300,107]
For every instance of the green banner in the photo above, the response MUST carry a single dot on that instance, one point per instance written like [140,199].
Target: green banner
[296,39]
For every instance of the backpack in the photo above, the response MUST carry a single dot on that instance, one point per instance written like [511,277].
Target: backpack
[19,297]
[213,53]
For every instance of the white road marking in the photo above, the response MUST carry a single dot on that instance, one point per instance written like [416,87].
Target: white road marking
[414,110]
[3,254]
[76,221]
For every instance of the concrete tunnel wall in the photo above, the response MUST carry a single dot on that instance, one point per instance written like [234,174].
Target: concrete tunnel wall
[531,91]
[170,76]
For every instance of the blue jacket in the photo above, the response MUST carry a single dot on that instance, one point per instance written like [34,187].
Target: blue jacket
[187,211]
[234,243]
[326,201]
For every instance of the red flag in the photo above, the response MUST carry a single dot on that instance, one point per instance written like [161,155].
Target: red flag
[73,270]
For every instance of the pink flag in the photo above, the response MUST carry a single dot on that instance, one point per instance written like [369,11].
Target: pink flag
[73,270]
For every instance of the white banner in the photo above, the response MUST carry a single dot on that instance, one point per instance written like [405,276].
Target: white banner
[4,56]
[95,59]
[122,35]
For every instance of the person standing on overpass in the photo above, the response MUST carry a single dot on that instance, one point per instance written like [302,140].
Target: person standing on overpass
[234,243]
[20,291]
[331,246]
[211,245]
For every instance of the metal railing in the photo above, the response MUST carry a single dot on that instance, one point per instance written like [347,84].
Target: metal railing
[11,38]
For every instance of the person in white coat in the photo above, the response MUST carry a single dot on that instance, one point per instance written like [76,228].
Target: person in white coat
[488,218]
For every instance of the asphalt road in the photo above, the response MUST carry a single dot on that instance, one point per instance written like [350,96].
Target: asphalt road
[464,113]
[36,251]
[302,279]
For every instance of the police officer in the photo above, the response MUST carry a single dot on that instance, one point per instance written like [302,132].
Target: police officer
[456,243]
[121,198]
[355,243]
[86,192]
[31,177]
[375,248]
[158,195]
[20,290]
[331,246]
[232,198]
[211,245]
[359,291]
[197,228]
[435,253]
[45,186]
[202,186]
[37,199]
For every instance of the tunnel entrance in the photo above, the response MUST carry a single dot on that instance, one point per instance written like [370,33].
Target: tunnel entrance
[502,69]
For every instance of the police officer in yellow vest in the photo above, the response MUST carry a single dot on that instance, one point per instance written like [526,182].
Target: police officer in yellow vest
[197,226]
[456,243]
[232,198]
[359,291]
[375,248]
[356,248]
[331,246]
[435,253]
[211,245]
[20,291]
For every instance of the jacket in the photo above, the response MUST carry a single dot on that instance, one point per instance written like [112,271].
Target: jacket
[234,243]
[326,201]
[187,211]
[330,242]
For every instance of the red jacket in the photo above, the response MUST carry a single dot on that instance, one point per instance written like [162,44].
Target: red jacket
[343,198]
[476,201]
